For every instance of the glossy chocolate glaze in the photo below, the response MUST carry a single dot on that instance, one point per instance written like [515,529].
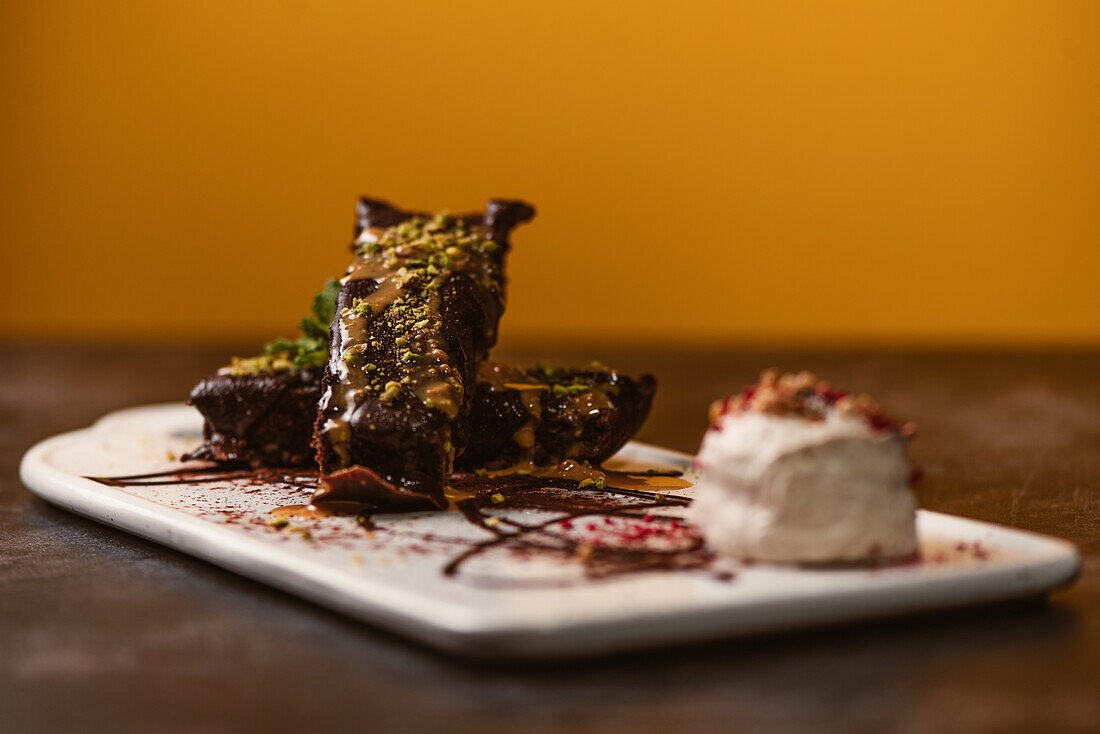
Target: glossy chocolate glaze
[396,447]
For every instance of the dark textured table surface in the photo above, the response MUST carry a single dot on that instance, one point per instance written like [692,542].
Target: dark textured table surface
[100,631]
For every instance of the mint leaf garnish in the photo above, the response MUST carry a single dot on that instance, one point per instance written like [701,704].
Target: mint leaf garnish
[311,349]
[324,303]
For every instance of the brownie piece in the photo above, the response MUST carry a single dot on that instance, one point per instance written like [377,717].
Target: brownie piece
[539,416]
[533,416]
[416,315]
[262,417]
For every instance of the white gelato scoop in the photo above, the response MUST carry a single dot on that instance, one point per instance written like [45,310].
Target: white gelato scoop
[788,488]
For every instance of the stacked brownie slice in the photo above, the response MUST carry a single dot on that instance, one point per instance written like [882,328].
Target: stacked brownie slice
[397,391]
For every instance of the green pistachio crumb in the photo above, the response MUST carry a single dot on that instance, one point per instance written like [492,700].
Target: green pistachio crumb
[417,255]
[360,307]
[392,391]
[570,390]
[280,362]
[497,498]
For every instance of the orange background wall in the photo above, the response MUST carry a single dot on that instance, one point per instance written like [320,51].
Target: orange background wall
[922,172]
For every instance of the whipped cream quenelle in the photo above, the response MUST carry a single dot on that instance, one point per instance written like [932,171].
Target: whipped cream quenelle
[795,472]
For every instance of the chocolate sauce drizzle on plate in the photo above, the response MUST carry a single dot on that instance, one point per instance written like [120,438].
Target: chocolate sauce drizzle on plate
[610,530]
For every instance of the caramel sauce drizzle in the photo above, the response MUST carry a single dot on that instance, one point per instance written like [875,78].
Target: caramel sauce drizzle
[408,268]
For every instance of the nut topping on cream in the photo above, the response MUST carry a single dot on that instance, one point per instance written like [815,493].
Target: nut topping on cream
[803,395]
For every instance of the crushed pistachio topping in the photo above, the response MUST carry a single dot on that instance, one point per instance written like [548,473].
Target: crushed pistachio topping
[399,324]
[421,242]
[577,388]
[239,366]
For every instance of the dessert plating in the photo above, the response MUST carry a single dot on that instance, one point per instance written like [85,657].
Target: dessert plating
[387,389]
[396,394]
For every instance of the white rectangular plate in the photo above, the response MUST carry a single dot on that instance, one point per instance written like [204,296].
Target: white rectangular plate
[506,605]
